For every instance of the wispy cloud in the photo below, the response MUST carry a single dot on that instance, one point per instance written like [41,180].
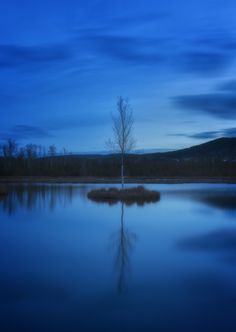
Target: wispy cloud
[21,132]
[205,62]
[228,86]
[220,105]
[228,132]
[218,41]
[124,47]
[203,56]
[12,55]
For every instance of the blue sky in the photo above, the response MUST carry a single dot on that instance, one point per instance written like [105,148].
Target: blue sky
[64,63]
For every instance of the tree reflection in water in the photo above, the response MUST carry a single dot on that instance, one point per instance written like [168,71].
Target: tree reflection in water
[123,242]
[31,197]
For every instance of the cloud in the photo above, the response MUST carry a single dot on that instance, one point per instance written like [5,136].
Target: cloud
[54,125]
[73,122]
[205,135]
[220,105]
[20,132]
[228,86]
[127,40]
[199,135]
[12,56]
[209,54]
[25,131]
[205,62]
[164,51]
[220,41]
[228,132]
[128,49]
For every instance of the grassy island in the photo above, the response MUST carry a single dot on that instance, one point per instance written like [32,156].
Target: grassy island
[138,195]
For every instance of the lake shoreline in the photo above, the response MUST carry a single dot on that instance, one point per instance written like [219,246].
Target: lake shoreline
[96,180]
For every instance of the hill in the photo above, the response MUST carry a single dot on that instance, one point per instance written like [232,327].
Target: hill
[222,149]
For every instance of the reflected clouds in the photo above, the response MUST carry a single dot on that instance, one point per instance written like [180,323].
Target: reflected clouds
[224,200]
[219,240]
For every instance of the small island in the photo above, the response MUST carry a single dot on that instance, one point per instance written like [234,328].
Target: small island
[138,195]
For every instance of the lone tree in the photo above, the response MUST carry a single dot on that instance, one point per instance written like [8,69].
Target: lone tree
[122,125]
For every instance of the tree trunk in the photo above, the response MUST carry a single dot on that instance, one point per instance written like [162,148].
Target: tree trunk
[122,172]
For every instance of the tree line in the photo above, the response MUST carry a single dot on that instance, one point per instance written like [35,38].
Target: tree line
[51,164]
[35,160]
[27,159]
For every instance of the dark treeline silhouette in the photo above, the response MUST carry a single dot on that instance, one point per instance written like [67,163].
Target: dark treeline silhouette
[216,158]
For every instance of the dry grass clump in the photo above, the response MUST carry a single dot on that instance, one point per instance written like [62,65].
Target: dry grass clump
[138,195]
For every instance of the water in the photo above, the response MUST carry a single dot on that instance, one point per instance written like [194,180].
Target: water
[69,264]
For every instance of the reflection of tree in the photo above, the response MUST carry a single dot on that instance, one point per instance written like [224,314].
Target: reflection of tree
[31,197]
[123,243]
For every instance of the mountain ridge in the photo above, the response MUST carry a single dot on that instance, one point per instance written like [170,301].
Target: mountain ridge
[220,148]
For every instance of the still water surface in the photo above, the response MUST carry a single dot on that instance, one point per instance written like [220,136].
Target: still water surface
[69,264]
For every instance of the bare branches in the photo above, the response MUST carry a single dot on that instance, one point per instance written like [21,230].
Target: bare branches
[9,149]
[122,125]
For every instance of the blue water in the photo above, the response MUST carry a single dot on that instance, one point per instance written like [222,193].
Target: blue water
[69,264]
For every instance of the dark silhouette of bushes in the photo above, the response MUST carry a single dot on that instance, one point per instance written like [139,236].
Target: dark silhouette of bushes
[138,195]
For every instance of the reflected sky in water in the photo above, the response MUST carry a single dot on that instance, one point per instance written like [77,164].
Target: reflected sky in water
[68,264]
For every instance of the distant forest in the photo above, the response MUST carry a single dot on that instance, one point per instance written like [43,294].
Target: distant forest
[216,158]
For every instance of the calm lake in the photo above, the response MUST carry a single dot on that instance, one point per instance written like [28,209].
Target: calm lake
[70,264]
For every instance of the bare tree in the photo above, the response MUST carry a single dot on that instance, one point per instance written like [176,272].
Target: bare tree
[31,151]
[52,151]
[9,151]
[122,125]
[9,148]
[30,155]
